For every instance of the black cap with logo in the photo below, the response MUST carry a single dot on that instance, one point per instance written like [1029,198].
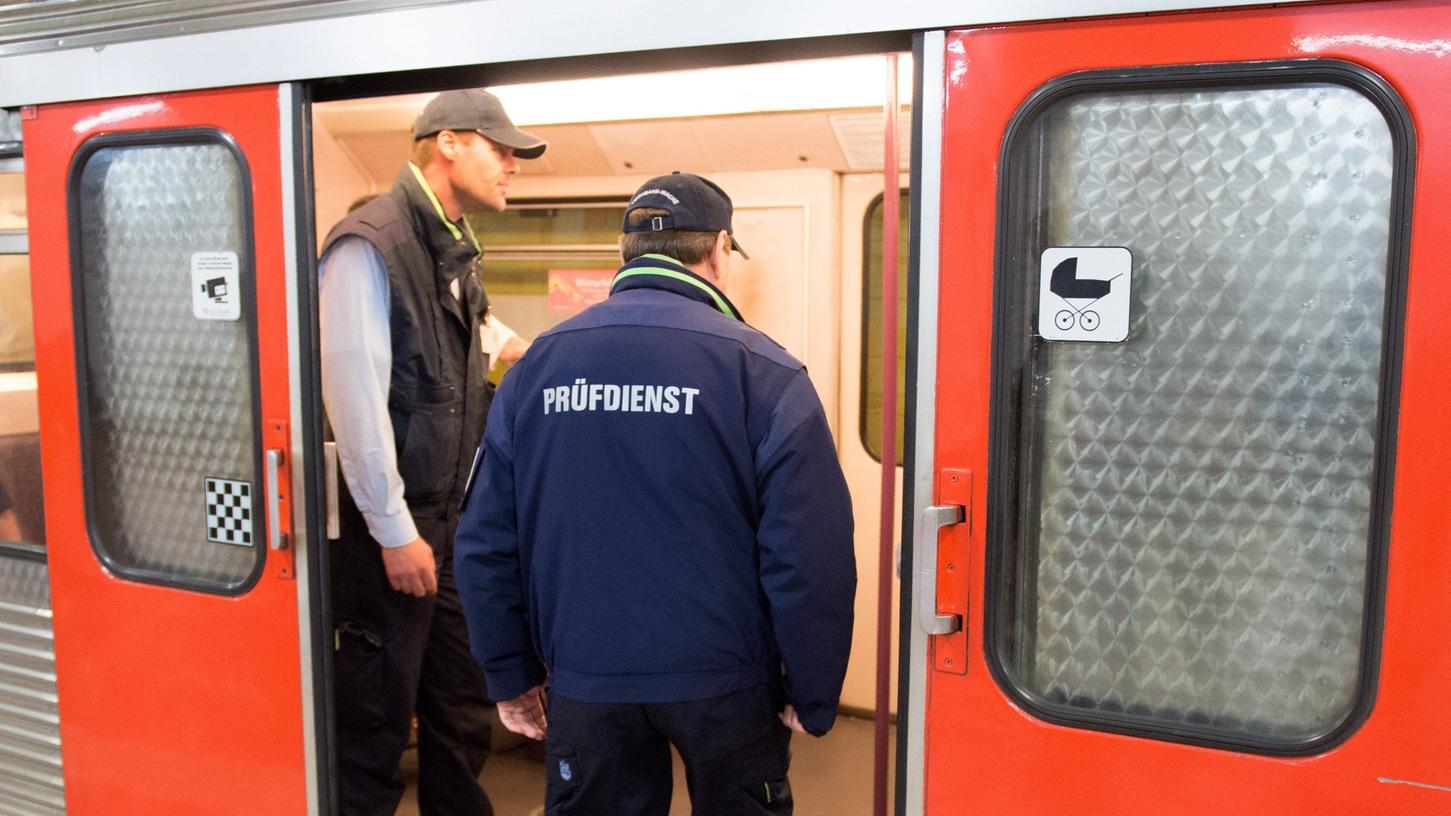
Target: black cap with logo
[478,110]
[692,203]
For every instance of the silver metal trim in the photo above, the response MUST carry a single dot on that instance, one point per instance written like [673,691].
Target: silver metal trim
[330,488]
[929,200]
[924,556]
[470,32]
[275,539]
[12,165]
[41,26]
[287,123]
[14,242]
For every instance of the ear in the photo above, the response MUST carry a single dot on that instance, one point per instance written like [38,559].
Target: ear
[720,255]
[722,245]
[447,144]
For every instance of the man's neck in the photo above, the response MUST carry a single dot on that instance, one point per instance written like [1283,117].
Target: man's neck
[436,177]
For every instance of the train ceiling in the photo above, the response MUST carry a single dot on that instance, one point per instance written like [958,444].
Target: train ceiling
[811,113]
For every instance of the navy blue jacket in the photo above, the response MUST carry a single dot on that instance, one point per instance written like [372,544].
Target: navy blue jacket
[659,514]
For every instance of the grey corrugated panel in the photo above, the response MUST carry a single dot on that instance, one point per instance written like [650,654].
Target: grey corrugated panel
[54,24]
[29,799]
[27,665]
[29,768]
[35,629]
[39,742]
[24,648]
[32,695]
[24,585]
[31,783]
[38,713]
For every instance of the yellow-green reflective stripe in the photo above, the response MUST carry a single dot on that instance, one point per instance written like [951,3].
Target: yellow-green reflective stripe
[680,276]
[438,207]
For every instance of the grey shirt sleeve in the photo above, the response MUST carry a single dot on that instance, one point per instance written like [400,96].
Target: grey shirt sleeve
[357,362]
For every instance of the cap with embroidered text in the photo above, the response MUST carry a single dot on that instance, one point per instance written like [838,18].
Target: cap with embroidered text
[691,203]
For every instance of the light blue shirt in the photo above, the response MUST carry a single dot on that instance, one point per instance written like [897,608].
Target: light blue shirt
[357,364]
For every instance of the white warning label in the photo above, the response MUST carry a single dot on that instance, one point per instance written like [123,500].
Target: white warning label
[1083,294]
[215,289]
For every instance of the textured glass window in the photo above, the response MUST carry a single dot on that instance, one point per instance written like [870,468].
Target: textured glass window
[1194,508]
[871,416]
[168,399]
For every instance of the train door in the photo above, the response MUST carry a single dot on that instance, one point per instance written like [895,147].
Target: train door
[1190,398]
[165,289]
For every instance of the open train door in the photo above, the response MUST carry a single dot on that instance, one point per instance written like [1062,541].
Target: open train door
[1184,527]
[164,256]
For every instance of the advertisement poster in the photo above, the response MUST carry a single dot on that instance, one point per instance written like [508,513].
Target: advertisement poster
[571,291]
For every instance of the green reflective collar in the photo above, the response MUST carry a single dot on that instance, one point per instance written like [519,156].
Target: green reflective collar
[663,272]
[458,234]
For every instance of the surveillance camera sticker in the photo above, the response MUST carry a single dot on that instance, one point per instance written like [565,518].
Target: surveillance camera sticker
[215,293]
[1083,294]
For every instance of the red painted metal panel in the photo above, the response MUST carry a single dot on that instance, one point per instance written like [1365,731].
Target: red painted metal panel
[170,701]
[986,755]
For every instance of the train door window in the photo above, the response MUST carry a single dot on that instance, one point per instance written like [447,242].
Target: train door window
[163,282]
[871,402]
[546,261]
[22,514]
[1189,526]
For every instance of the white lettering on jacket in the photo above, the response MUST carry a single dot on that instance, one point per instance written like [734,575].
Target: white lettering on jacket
[584,396]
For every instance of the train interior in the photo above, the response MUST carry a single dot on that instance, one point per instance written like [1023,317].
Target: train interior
[799,146]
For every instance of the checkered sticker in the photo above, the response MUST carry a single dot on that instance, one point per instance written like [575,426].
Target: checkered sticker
[229,512]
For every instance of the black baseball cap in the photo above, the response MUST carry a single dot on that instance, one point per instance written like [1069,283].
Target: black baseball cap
[693,203]
[478,110]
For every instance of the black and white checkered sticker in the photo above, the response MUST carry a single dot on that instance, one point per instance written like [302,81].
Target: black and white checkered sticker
[229,512]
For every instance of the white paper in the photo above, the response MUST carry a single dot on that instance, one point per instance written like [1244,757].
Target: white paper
[215,280]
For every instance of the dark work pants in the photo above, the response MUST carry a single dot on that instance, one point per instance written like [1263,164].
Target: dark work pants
[396,655]
[611,759]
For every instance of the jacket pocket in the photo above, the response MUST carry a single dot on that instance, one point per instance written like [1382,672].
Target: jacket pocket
[429,444]
[358,670]
[564,776]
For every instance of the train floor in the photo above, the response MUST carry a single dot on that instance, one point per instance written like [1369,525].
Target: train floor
[831,776]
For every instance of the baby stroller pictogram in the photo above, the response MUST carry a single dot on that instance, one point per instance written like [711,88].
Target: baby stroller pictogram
[1066,284]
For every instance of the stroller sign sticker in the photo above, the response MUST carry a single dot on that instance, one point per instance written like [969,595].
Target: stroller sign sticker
[1083,294]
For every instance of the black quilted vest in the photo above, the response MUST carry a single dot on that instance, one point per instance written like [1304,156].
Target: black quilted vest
[439,394]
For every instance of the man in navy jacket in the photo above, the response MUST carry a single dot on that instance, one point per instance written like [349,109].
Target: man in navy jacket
[658,529]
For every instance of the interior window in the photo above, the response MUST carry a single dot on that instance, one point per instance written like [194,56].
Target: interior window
[871,401]
[22,511]
[544,262]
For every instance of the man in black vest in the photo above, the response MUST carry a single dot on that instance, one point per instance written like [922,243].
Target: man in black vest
[402,305]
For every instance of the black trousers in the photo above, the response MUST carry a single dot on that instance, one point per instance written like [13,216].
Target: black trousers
[396,655]
[608,759]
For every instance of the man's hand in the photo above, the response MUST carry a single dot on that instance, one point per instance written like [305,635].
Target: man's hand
[793,722]
[525,714]
[410,568]
[513,349]
[9,526]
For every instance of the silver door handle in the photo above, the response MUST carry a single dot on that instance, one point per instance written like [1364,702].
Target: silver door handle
[924,549]
[275,538]
[330,489]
